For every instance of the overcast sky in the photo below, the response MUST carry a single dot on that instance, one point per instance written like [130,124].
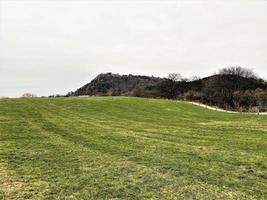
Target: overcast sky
[56,46]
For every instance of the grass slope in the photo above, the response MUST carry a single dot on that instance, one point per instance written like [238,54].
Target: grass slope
[129,148]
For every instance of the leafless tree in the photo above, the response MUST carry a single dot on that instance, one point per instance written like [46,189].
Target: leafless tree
[175,77]
[238,71]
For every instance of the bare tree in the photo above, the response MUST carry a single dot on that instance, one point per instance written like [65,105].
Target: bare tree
[175,77]
[170,84]
[238,71]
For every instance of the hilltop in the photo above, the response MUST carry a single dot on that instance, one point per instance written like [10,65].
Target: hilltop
[109,84]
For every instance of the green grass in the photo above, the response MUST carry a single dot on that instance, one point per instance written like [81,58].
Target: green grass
[129,148]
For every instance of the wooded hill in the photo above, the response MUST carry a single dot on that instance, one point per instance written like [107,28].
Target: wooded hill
[232,88]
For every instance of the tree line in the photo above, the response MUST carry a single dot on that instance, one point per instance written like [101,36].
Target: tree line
[233,88]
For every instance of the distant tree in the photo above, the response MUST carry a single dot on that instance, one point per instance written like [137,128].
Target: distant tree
[238,71]
[167,86]
[28,95]
[174,77]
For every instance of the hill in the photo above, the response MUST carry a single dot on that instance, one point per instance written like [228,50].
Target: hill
[230,91]
[129,148]
[110,84]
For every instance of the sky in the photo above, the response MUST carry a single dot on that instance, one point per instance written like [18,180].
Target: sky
[56,46]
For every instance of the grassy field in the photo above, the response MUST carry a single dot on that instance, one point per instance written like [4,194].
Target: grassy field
[129,148]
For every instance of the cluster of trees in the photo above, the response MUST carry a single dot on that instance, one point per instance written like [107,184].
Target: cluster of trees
[250,100]
[238,71]
[233,88]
